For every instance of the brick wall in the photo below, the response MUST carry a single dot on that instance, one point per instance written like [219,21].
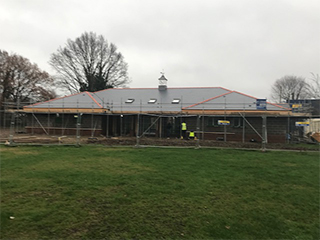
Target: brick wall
[277,128]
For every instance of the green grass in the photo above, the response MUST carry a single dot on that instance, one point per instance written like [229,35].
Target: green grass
[125,193]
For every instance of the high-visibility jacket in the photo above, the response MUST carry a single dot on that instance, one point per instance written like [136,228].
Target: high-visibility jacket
[191,134]
[183,126]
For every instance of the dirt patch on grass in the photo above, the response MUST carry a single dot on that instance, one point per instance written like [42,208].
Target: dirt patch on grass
[290,164]
[15,152]
[151,141]
[125,167]
[125,141]
[295,186]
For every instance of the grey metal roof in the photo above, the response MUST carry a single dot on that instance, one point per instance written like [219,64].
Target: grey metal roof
[232,101]
[115,99]
[79,100]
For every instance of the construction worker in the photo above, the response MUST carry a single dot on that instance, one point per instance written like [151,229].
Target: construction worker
[184,130]
[191,135]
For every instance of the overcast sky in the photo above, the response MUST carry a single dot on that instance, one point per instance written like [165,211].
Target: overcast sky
[242,45]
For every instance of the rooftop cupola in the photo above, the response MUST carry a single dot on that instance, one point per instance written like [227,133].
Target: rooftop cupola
[162,83]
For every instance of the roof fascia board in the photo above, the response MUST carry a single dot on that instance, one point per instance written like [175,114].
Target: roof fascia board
[271,113]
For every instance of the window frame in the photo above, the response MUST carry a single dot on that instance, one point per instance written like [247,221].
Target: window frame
[152,101]
[129,101]
[176,101]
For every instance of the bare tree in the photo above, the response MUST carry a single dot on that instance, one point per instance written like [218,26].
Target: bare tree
[89,63]
[314,86]
[289,88]
[23,81]
[5,76]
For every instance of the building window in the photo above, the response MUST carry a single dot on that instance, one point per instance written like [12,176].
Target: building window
[175,101]
[213,122]
[152,101]
[129,100]
[238,122]
[58,121]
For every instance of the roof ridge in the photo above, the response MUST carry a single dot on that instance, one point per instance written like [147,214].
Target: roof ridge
[93,99]
[209,99]
[258,98]
[155,88]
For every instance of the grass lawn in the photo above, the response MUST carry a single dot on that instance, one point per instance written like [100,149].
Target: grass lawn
[96,192]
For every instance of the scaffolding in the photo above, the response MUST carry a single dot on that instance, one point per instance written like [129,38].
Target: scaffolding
[58,124]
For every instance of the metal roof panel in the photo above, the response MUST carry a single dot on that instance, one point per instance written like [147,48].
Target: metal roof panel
[79,100]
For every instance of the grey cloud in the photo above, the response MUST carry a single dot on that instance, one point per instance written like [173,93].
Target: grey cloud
[243,45]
